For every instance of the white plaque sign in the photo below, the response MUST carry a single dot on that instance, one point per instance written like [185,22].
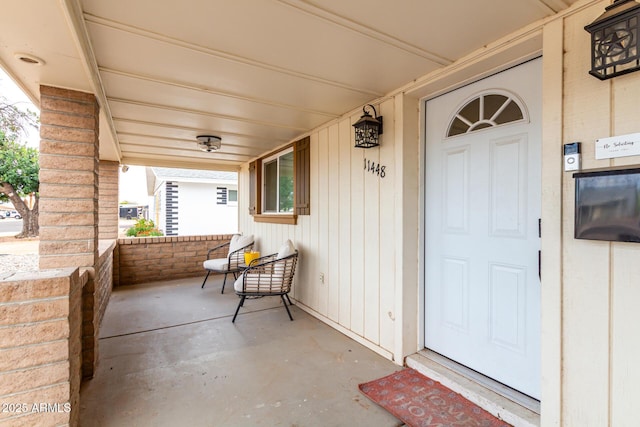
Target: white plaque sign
[618,146]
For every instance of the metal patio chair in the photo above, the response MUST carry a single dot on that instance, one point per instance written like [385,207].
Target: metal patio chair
[234,261]
[271,275]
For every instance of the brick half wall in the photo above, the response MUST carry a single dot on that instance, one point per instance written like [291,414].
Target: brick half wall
[95,297]
[149,259]
[40,347]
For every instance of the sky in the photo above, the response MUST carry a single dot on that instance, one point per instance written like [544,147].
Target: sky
[133,186]
[14,94]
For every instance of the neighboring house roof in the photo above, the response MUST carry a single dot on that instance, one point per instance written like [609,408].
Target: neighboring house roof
[155,176]
[193,174]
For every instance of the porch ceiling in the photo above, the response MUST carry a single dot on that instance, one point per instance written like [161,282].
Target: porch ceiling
[257,73]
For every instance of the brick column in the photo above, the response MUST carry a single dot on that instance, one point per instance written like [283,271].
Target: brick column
[68,178]
[108,201]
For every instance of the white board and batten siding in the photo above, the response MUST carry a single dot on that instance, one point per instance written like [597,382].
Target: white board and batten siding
[600,280]
[357,236]
[348,238]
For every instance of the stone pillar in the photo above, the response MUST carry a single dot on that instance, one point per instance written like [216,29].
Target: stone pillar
[68,178]
[108,201]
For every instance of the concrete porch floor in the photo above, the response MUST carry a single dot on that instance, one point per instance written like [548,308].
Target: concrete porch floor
[170,356]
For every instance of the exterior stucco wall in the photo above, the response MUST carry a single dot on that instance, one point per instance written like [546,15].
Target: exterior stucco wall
[196,209]
[199,212]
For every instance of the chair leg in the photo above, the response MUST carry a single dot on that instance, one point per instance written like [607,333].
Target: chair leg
[287,295]
[224,282]
[240,304]
[287,307]
[205,279]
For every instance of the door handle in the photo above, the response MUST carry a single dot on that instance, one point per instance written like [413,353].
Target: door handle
[540,265]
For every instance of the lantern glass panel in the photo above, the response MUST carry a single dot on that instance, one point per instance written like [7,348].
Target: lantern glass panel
[367,132]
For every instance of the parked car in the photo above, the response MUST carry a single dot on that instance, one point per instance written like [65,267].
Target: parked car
[13,214]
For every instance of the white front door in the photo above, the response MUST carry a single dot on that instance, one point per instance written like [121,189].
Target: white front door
[482,196]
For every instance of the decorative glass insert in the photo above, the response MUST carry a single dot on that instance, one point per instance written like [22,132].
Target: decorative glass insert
[485,111]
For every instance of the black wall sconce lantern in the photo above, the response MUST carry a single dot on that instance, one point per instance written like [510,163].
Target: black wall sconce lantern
[615,48]
[368,129]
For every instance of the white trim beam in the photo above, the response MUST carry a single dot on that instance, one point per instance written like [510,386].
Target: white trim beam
[73,14]
[193,129]
[161,161]
[154,139]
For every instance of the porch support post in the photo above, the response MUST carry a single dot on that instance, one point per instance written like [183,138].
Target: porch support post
[408,301]
[108,200]
[551,285]
[69,176]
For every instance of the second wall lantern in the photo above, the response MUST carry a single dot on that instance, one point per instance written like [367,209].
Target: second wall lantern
[615,48]
[368,129]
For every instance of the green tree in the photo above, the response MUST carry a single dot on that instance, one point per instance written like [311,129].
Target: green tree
[18,165]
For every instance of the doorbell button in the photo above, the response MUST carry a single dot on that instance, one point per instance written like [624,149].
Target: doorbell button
[572,156]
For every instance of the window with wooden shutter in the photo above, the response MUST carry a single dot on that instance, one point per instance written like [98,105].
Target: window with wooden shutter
[301,185]
[254,187]
[302,171]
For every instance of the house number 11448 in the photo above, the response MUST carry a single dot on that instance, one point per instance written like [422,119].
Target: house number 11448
[374,168]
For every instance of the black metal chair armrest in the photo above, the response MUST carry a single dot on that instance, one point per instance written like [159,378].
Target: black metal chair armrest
[265,264]
[236,258]
[262,260]
[216,248]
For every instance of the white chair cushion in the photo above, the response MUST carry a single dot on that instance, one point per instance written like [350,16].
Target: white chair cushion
[239,242]
[262,283]
[285,250]
[237,285]
[217,264]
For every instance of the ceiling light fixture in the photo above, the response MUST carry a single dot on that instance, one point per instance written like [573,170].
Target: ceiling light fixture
[28,58]
[209,143]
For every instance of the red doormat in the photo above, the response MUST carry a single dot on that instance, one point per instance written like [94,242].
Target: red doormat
[422,402]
